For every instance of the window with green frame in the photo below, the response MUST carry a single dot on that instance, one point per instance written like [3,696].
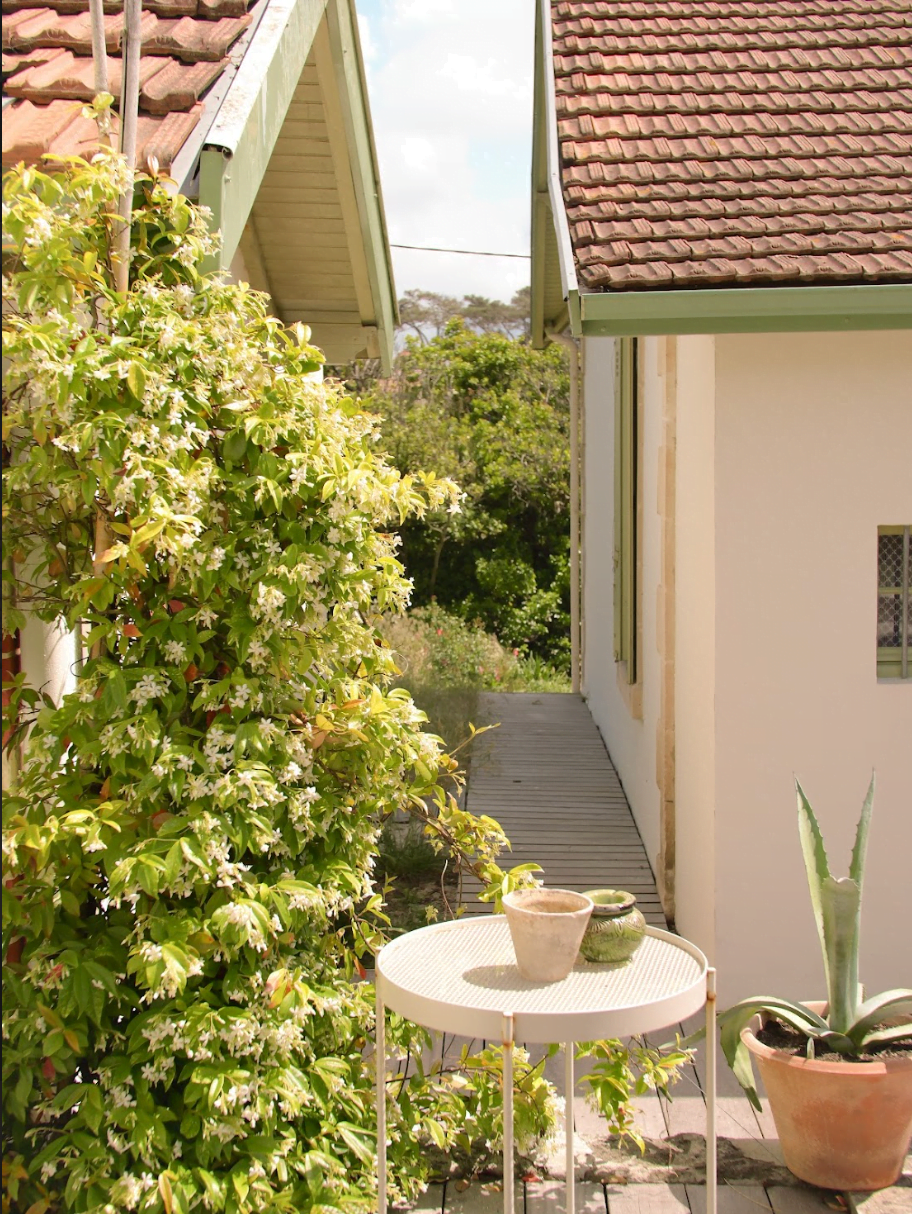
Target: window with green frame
[894,611]
[625,505]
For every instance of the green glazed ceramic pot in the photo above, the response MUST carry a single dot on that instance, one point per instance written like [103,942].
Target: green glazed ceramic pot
[616,927]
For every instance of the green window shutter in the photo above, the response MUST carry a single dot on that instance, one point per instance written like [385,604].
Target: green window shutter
[894,610]
[625,504]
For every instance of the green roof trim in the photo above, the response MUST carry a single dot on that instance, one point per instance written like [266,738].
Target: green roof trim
[767,309]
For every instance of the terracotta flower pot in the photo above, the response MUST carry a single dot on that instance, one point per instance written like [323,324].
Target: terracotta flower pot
[546,926]
[842,1125]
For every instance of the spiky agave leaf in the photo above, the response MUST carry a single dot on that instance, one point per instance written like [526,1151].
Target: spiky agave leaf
[856,868]
[840,904]
[879,1008]
[817,866]
[736,1018]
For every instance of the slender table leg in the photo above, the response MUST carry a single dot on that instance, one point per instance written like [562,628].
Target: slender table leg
[710,1091]
[380,1064]
[569,1085]
[508,1167]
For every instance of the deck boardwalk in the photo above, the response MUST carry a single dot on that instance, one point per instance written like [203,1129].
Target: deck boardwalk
[544,774]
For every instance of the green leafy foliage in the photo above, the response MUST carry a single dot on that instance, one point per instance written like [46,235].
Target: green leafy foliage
[190,836]
[624,1070]
[189,842]
[851,1024]
[493,413]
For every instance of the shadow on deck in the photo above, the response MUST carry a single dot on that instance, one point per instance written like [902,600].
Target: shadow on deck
[544,774]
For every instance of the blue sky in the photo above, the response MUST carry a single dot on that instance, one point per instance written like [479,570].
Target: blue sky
[450,85]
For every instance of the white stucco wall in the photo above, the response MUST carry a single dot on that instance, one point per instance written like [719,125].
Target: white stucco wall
[813,450]
[695,654]
[627,721]
[790,451]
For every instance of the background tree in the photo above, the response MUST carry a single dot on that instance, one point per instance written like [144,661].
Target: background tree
[425,314]
[492,413]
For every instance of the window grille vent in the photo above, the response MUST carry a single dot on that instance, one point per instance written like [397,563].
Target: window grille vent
[894,617]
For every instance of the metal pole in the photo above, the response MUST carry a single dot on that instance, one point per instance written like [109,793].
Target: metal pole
[507,1041]
[129,116]
[99,50]
[711,1091]
[569,1085]
[380,1065]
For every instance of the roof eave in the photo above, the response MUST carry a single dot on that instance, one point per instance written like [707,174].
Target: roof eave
[241,139]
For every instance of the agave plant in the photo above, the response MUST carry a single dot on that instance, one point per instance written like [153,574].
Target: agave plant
[851,1023]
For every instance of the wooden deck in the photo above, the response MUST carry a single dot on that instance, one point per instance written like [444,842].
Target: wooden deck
[544,774]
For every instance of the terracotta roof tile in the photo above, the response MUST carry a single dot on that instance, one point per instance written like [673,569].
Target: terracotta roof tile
[47,66]
[184,38]
[729,141]
[66,76]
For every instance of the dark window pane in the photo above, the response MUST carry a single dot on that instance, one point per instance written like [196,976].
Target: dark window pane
[889,619]
[889,560]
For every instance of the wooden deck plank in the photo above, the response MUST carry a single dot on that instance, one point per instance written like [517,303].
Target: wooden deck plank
[544,774]
[786,1200]
[733,1199]
[647,1199]
[548,1197]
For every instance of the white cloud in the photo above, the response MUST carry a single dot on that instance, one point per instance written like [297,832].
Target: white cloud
[418,154]
[451,100]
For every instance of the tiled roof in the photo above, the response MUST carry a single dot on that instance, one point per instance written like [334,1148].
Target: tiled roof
[724,143]
[47,69]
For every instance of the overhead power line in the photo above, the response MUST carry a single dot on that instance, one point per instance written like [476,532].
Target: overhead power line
[423,248]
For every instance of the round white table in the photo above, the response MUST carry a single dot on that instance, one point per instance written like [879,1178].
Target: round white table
[461,977]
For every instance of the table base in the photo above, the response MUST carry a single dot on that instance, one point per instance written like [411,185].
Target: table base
[507,1036]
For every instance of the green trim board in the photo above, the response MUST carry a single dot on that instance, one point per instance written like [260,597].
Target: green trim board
[542,222]
[809,309]
[771,309]
[240,144]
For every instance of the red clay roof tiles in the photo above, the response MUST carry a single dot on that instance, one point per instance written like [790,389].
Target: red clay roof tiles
[47,67]
[737,142]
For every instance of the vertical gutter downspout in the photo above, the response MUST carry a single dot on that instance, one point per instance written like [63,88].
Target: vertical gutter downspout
[571,294]
[572,347]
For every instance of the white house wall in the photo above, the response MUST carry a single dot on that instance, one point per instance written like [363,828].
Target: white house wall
[813,450]
[626,718]
[695,654]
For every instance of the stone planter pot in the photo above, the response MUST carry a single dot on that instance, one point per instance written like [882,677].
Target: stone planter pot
[616,929]
[842,1125]
[546,926]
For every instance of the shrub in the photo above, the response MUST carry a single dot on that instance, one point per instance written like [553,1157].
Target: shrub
[189,845]
[189,842]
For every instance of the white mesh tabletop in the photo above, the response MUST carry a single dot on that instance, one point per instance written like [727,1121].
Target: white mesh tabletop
[461,977]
